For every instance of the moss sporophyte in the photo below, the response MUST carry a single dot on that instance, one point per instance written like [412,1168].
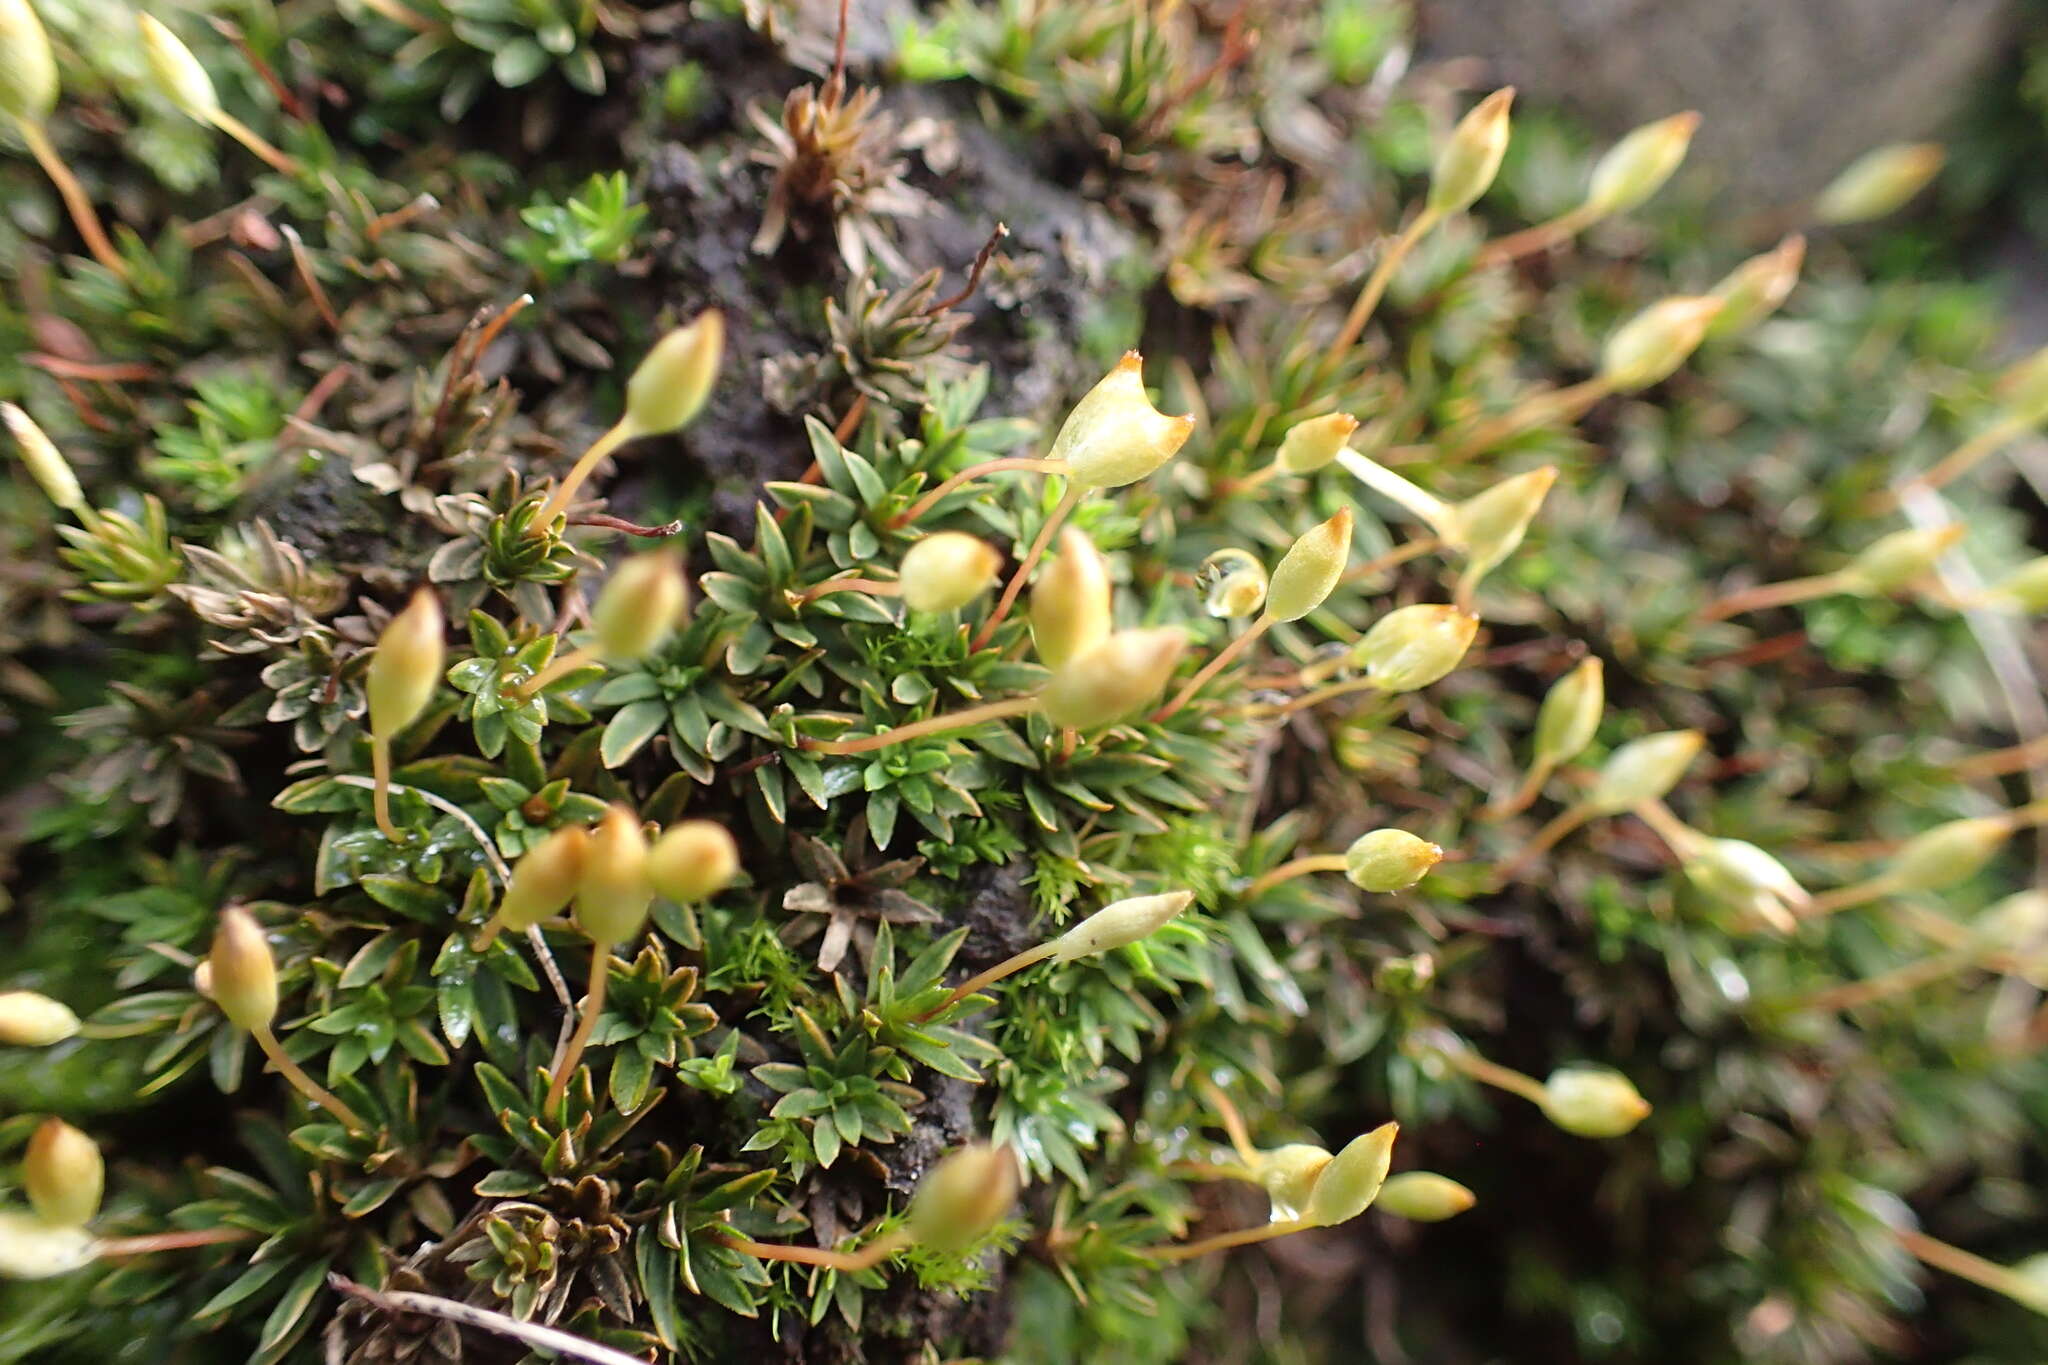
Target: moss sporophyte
[868,851]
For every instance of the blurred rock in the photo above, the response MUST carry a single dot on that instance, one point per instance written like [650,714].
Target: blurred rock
[1791,90]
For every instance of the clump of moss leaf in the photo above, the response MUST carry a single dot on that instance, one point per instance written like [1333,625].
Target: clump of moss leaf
[294,397]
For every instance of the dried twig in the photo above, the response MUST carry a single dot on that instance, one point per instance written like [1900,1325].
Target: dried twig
[631,528]
[981,260]
[484,1320]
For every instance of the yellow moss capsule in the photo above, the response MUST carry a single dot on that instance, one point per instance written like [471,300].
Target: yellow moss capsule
[1593,1102]
[1469,162]
[1353,1179]
[406,667]
[1571,711]
[1070,602]
[45,464]
[28,69]
[693,861]
[1389,860]
[240,971]
[1309,570]
[1114,436]
[1637,166]
[1310,445]
[1288,1175]
[1233,584]
[963,1197]
[545,878]
[1411,647]
[1489,526]
[64,1174]
[1948,854]
[614,893]
[31,1249]
[1878,183]
[28,1019]
[1746,878]
[1119,923]
[1753,290]
[1115,678]
[1423,1197]
[176,73]
[947,570]
[1643,770]
[2016,924]
[672,383]
[639,607]
[1655,342]
[2029,1283]
[1898,560]
[2025,588]
[2022,388]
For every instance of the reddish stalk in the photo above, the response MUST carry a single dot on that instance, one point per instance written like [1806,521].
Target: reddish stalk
[929,500]
[120,1247]
[1068,501]
[1288,871]
[1213,667]
[1009,966]
[593,1006]
[935,725]
[76,201]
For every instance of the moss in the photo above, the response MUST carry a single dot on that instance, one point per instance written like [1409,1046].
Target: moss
[1163,181]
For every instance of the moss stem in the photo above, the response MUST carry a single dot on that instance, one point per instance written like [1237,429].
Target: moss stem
[1498,1076]
[1068,501]
[1554,404]
[872,1254]
[930,500]
[1400,554]
[593,1006]
[561,664]
[1009,966]
[1223,1241]
[380,794]
[1213,667]
[1232,1120]
[1288,871]
[1766,595]
[1849,897]
[1910,977]
[874,587]
[304,1084]
[935,725]
[1546,838]
[76,201]
[1524,795]
[241,132]
[1964,1265]
[1959,461]
[1541,237]
[621,432]
[1369,294]
[115,1248]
